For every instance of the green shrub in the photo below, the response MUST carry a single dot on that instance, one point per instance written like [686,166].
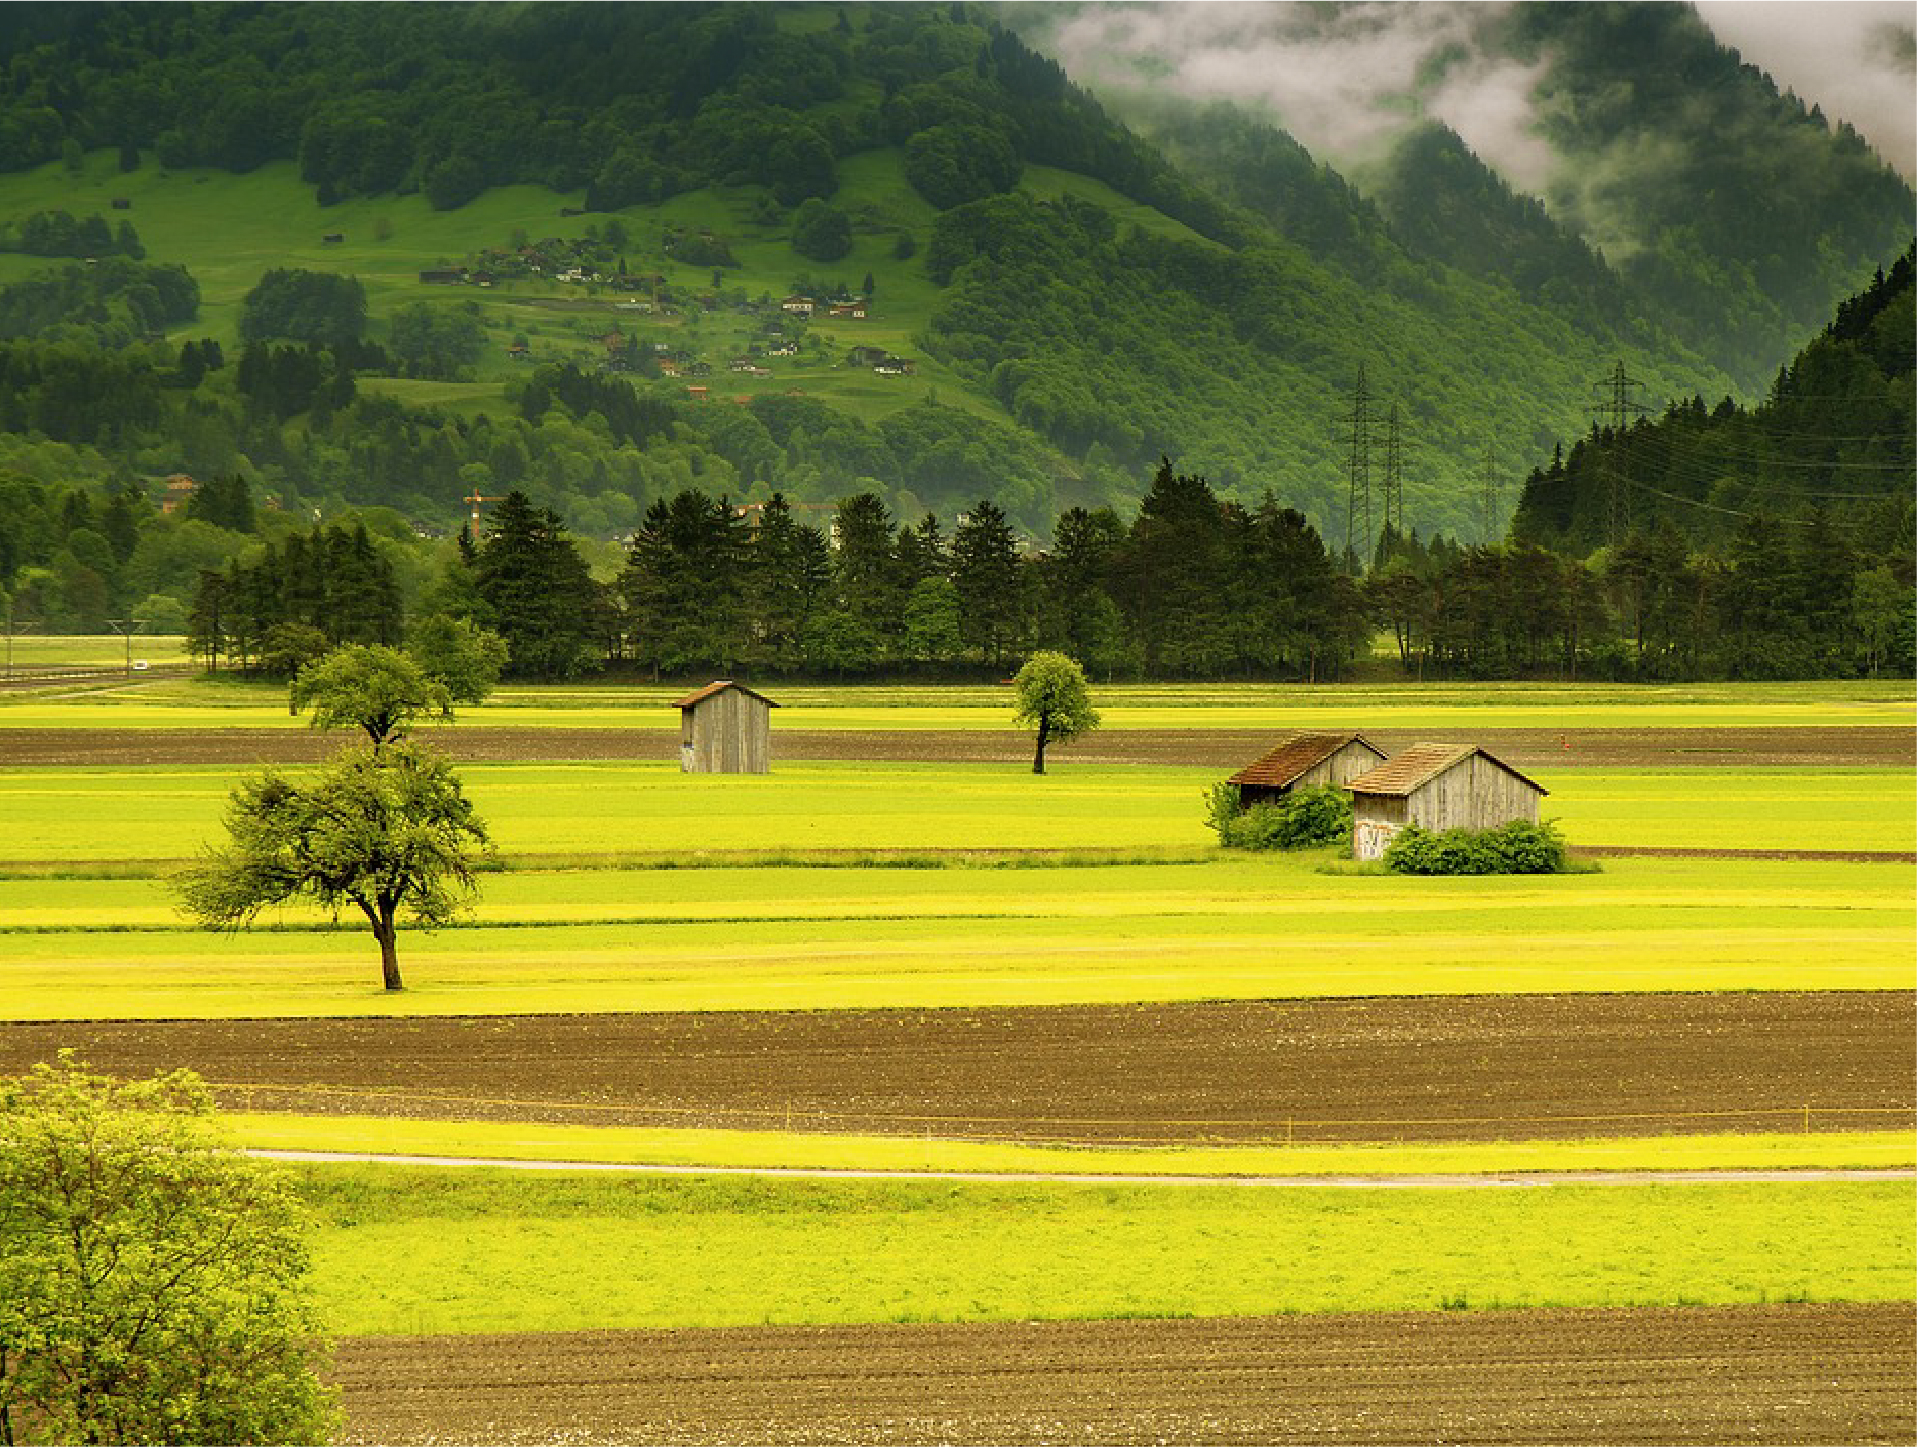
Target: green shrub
[1514,848]
[1299,820]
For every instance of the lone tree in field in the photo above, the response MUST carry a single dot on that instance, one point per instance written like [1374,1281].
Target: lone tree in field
[1053,699]
[370,687]
[384,829]
[151,1279]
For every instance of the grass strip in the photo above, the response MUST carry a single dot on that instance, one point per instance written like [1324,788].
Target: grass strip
[411,1250]
[658,1145]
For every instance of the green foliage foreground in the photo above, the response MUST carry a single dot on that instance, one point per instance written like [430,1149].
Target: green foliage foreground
[410,1250]
[1518,847]
[151,1281]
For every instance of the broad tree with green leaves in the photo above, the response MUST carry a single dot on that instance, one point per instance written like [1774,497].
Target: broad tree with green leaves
[1054,701]
[152,1279]
[380,830]
[369,686]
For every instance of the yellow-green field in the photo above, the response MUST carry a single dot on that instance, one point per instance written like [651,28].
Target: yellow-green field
[623,810]
[797,1150]
[723,939]
[416,1251]
[229,703]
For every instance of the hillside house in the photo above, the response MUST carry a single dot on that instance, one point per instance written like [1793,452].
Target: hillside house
[179,489]
[1437,786]
[848,311]
[1305,761]
[725,728]
[799,306]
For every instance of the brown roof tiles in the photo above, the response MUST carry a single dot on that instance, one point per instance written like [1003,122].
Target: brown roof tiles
[720,686]
[1293,756]
[1421,763]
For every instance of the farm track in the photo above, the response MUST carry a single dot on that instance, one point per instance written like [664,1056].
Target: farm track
[1541,1067]
[1534,748]
[1771,1374]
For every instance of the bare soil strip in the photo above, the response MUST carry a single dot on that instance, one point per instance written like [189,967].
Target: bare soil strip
[1198,747]
[1772,1374]
[1537,1067]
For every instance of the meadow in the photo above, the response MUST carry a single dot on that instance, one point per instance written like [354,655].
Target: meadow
[650,812]
[411,1250]
[229,702]
[736,939]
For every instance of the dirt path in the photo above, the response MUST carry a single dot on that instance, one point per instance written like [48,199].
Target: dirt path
[1449,1181]
[1526,748]
[1431,1068]
[1769,1374]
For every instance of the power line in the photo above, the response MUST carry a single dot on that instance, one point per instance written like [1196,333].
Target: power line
[1358,473]
[1623,405]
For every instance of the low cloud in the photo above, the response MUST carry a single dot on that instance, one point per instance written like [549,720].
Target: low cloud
[1857,59]
[1346,80]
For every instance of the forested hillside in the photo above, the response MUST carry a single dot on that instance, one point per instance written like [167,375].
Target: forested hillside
[608,257]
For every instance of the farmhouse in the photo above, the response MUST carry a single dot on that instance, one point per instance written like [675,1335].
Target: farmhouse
[725,728]
[1437,786]
[1305,761]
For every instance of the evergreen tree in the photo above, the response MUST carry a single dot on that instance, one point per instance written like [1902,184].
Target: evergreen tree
[541,596]
[990,580]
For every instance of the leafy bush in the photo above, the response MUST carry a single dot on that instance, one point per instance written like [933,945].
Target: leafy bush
[1301,819]
[1514,848]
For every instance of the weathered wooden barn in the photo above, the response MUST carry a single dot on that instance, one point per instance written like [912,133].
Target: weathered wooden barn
[1305,761]
[725,728]
[1437,786]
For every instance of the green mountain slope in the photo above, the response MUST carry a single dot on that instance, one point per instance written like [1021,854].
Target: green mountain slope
[1067,300]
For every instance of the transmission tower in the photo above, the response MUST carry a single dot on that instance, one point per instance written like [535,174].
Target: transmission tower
[1490,497]
[1358,474]
[1393,488]
[1616,414]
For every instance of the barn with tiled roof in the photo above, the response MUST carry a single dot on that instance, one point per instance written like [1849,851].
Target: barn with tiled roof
[1437,786]
[1304,761]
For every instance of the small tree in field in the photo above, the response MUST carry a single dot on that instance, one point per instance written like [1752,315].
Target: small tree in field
[1053,700]
[151,1279]
[382,830]
[370,687]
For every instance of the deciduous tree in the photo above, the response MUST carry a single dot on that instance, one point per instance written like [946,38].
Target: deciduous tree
[370,687]
[151,1278]
[380,830]
[1053,700]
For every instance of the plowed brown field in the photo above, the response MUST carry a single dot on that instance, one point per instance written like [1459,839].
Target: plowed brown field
[1469,1068]
[1773,1374]
[1198,747]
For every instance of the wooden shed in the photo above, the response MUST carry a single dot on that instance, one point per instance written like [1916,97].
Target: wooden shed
[1437,786]
[725,728]
[1305,761]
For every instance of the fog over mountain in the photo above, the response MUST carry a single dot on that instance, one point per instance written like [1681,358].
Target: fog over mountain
[1348,79]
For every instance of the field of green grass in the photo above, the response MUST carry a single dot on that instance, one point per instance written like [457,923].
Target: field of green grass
[800,1150]
[31,651]
[407,1250]
[636,811]
[732,939]
[232,703]
[269,218]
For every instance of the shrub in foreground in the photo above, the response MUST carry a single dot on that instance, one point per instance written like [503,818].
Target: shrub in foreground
[1515,848]
[1301,819]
